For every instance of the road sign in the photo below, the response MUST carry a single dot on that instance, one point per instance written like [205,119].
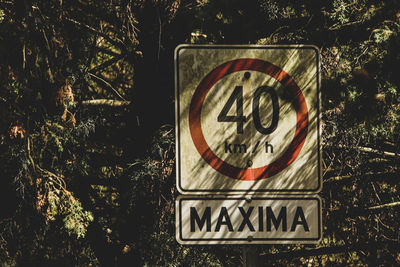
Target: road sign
[241,220]
[247,119]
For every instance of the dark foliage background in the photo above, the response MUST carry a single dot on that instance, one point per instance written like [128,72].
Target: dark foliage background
[87,139]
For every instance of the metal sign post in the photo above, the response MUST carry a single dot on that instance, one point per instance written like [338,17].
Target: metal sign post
[250,257]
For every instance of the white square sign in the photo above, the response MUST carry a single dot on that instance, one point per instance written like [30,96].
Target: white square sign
[247,119]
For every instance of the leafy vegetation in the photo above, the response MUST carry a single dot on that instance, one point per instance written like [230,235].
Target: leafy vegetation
[87,143]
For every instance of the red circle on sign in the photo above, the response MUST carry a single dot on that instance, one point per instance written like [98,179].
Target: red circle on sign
[294,92]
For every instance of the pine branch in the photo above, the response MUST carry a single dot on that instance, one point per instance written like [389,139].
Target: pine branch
[353,212]
[108,84]
[387,205]
[305,253]
[90,28]
[106,102]
[105,64]
[376,176]
[379,152]
[370,150]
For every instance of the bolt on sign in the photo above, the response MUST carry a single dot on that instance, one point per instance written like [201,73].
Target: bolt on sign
[241,220]
[247,119]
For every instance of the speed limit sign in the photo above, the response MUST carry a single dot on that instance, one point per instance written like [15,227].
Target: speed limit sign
[247,119]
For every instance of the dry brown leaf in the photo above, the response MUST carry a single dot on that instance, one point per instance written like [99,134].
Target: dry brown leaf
[17,131]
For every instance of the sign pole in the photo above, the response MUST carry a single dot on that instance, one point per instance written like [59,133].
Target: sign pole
[250,256]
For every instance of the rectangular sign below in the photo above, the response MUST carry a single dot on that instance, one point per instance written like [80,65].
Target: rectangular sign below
[246,220]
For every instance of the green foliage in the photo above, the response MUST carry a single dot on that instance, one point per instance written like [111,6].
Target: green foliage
[61,203]
[77,220]
[86,184]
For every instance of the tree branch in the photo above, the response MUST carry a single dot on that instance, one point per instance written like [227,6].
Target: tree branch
[346,178]
[387,205]
[353,212]
[370,150]
[305,253]
[90,28]
[376,151]
[107,51]
[108,84]
[106,102]
[105,64]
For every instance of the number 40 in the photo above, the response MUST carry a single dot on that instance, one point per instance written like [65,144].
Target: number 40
[240,119]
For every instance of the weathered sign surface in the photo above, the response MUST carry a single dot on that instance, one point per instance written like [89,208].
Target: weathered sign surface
[247,119]
[241,220]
